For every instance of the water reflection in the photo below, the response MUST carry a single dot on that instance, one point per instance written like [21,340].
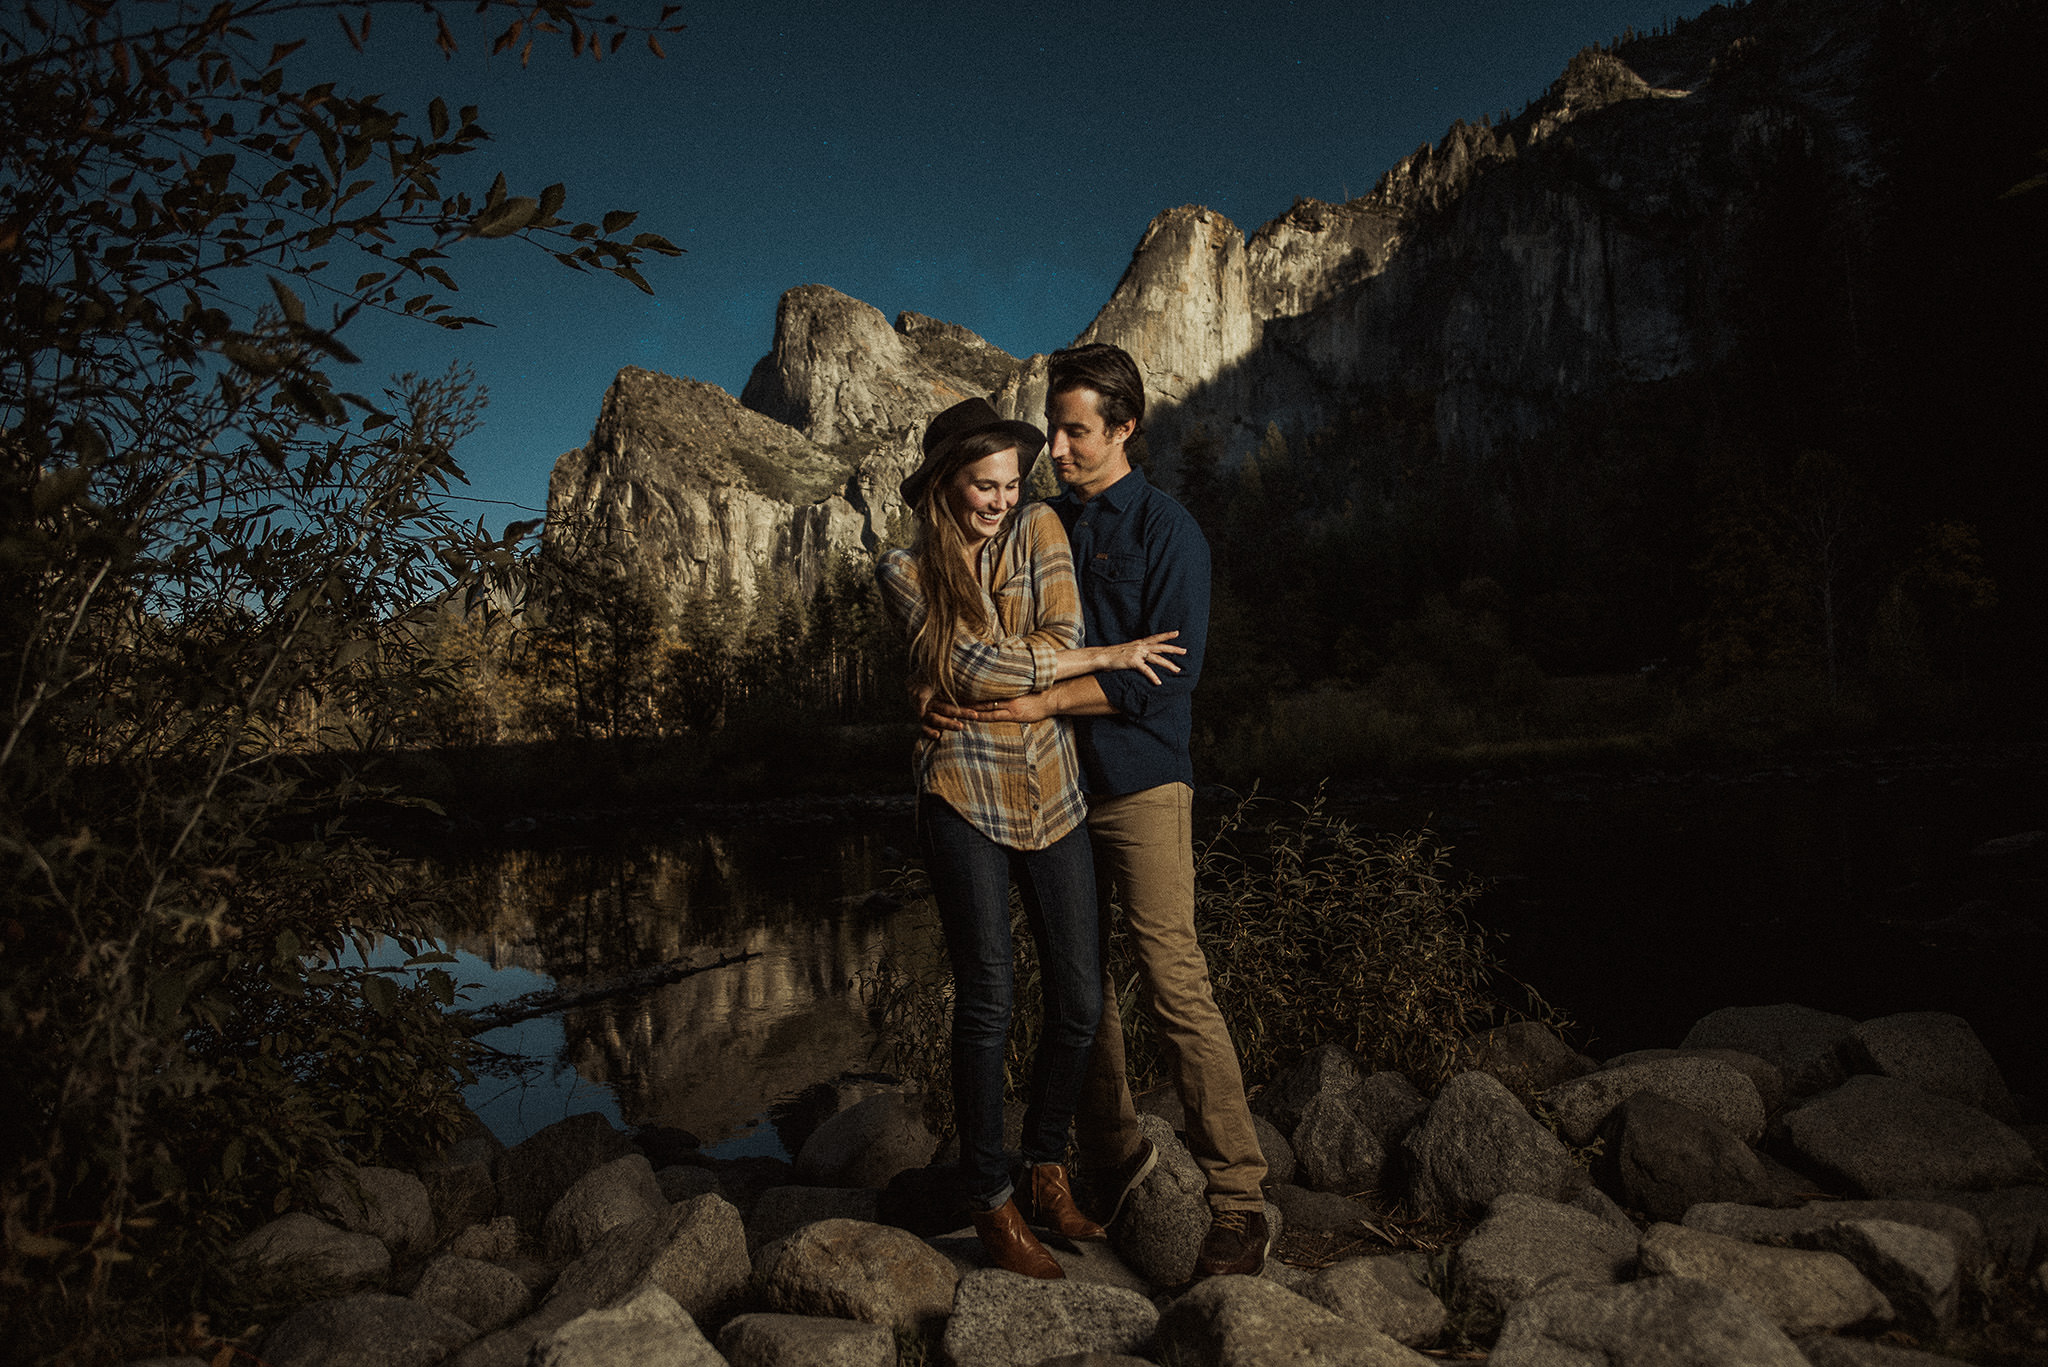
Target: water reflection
[711,1052]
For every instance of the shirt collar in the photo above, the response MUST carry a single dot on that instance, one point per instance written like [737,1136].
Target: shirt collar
[1118,497]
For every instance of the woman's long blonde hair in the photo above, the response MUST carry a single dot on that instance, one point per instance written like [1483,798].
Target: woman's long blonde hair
[952,597]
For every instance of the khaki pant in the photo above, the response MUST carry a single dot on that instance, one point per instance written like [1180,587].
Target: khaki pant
[1144,851]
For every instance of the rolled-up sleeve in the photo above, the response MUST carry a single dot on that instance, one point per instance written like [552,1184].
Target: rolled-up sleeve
[1176,599]
[1039,592]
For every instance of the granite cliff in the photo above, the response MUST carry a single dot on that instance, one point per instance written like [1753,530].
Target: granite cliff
[1691,237]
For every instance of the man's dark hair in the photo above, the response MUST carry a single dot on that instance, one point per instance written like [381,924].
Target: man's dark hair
[1111,373]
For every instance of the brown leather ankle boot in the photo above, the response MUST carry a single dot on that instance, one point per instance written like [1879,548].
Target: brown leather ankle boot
[1011,1245]
[1052,1204]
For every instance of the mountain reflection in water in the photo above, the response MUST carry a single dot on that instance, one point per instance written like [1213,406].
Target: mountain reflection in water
[708,1054]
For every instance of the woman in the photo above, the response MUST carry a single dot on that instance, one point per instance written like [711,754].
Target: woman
[987,597]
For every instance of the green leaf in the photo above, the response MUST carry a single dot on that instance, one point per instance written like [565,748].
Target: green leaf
[552,199]
[381,993]
[59,487]
[506,218]
[437,117]
[618,219]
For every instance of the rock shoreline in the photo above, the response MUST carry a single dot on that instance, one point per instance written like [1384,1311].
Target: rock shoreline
[1782,1186]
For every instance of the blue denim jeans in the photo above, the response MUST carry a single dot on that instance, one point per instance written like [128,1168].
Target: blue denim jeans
[970,876]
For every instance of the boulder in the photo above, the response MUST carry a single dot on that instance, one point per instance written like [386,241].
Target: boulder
[1476,1143]
[1346,1136]
[1802,1043]
[2014,1221]
[1162,1226]
[1320,1212]
[1707,1085]
[481,1294]
[369,1330]
[1663,1158]
[299,1258]
[392,1207]
[867,1144]
[1002,1320]
[1844,1352]
[681,1181]
[1936,1052]
[1524,1057]
[533,1174]
[1654,1322]
[1278,1153]
[1803,1292]
[1243,1321]
[1089,1261]
[1916,1269]
[1600,1205]
[1765,1076]
[1380,1293]
[1527,1246]
[458,1179]
[620,1192]
[1326,1068]
[493,1241]
[805,1341]
[1886,1137]
[647,1329]
[1804,1227]
[872,1273]
[695,1253]
[785,1210]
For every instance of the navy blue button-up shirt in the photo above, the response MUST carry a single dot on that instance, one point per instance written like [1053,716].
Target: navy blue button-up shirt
[1143,567]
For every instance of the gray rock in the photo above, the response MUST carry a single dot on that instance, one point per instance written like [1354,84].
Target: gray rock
[2014,1221]
[1346,1136]
[1844,1352]
[1527,1246]
[167,1362]
[1091,1261]
[784,1210]
[481,1294]
[1764,1075]
[1916,1269]
[299,1258]
[1525,1057]
[1804,1227]
[1163,1101]
[1380,1293]
[501,1348]
[1663,1158]
[1278,1153]
[365,1331]
[696,1253]
[806,1341]
[1655,1322]
[1937,1053]
[460,1188]
[647,1329]
[1095,1360]
[1886,1137]
[1002,1320]
[1320,1211]
[390,1206]
[494,1241]
[1248,1322]
[1476,1143]
[1802,1043]
[532,1175]
[681,1181]
[1803,1292]
[1165,1220]
[872,1273]
[1326,1068]
[1600,1205]
[1707,1085]
[620,1192]
[867,1144]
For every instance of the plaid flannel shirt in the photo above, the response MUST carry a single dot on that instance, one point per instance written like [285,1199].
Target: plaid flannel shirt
[1018,784]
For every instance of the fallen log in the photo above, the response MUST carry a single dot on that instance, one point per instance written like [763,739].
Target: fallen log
[550,1000]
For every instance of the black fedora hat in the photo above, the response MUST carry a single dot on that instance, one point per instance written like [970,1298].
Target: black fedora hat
[968,418]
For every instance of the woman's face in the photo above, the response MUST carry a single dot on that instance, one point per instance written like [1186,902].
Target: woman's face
[982,494]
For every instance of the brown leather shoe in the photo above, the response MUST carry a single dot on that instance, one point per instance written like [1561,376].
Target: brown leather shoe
[1052,1204]
[1236,1245]
[1012,1246]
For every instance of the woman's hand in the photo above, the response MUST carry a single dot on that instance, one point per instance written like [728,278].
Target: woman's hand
[1145,654]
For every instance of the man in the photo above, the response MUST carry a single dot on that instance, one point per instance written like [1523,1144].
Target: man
[1143,567]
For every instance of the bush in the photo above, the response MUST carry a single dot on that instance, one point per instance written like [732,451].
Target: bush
[1315,933]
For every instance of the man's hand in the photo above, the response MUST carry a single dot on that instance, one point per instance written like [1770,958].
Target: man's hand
[937,718]
[1028,708]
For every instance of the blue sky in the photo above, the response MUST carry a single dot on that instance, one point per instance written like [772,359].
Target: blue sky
[989,164]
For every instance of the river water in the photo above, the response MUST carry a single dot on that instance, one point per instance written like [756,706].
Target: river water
[1857,882]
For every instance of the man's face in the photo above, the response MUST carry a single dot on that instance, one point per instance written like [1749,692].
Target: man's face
[1087,456]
